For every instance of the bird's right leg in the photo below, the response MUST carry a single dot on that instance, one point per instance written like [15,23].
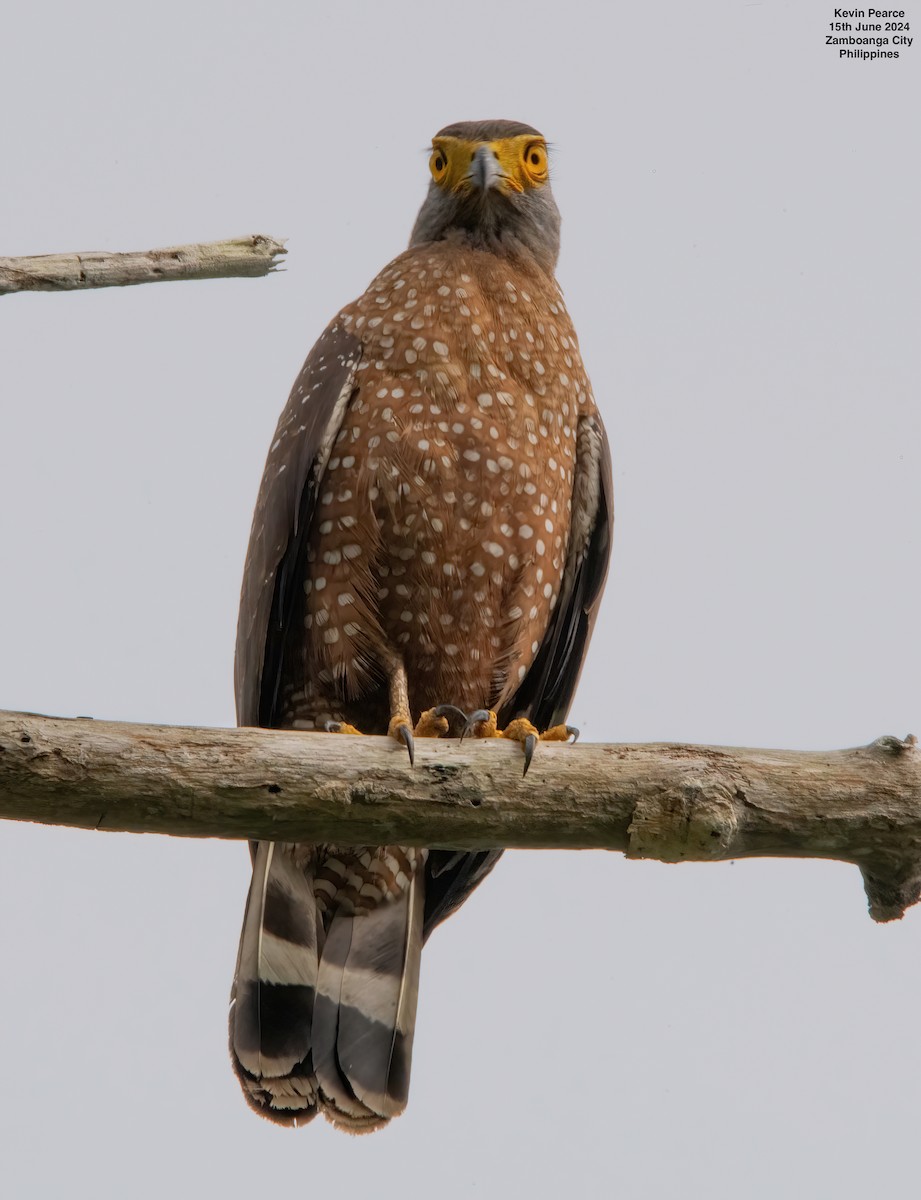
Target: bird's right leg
[401,722]
[400,726]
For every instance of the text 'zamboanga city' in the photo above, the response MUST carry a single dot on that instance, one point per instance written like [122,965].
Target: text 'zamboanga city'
[855,30]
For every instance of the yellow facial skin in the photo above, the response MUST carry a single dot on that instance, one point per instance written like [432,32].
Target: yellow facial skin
[522,162]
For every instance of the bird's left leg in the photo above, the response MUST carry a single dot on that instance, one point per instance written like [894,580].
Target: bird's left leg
[483,723]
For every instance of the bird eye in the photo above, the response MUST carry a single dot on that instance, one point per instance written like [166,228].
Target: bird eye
[438,165]
[534,160]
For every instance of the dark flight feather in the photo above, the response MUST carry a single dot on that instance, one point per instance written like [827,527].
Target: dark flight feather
[282,519]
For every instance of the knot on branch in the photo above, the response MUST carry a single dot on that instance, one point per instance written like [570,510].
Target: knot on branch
[695,820]
[891,888]
[890,745]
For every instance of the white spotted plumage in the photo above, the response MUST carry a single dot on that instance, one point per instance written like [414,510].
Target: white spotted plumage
[405,458]
[414,543]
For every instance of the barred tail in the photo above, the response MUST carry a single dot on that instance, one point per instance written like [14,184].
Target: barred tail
[323,1021]
[365,1011]
[272,999]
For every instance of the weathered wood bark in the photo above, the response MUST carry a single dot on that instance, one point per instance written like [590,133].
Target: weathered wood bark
[674,803]
[246,256]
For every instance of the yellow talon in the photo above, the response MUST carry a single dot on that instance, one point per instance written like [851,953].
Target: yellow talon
[430,724]
[519,730]
[487,728]
[401,729]
[342,727]
[559,733]
[398,722]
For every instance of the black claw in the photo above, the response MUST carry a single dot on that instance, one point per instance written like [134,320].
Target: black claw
[455,717]
[474,719]
[573,733]
[406,736]
[530,743]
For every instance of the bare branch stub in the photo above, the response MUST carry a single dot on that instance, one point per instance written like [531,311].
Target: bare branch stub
[673,803]
[892,880]
[249,256]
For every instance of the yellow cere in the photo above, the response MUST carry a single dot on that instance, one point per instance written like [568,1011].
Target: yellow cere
[523,161]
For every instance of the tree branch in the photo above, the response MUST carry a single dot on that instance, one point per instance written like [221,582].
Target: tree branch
[673,803]
[246,256]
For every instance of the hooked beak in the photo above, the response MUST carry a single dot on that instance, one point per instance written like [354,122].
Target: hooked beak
[485,171]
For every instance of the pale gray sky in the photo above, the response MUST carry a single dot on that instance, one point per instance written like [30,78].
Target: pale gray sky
[741,258]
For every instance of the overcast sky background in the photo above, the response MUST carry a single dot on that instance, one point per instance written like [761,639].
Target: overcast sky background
[741,259]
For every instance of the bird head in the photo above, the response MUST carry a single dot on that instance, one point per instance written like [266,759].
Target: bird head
[490,188]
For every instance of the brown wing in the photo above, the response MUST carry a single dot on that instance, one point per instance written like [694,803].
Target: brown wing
[547,690]
[306,431]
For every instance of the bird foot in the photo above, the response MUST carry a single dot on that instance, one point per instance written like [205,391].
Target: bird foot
[521,730]
[448,719]
[483,723]
[399,728]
